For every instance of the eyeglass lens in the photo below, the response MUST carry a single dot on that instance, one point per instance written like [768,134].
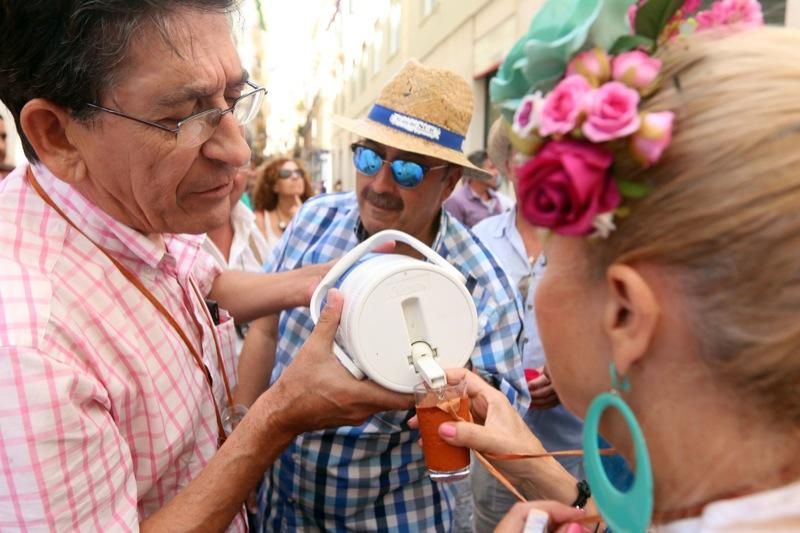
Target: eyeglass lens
[198,129]
[407,174]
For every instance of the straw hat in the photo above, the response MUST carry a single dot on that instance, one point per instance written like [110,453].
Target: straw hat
[422,110]
[499,145]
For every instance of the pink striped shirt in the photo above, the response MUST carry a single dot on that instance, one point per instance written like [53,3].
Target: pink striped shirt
[105,415]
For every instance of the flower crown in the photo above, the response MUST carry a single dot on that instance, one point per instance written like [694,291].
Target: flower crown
[570,92]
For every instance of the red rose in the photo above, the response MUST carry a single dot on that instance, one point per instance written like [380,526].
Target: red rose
[566,185]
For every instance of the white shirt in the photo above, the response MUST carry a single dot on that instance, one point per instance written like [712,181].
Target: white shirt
[248,249]
[775,510]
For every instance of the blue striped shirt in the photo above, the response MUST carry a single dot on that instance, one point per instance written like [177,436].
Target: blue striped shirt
[372,477]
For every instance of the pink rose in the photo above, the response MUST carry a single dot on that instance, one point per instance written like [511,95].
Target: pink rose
[690,6]
[636,69]
[653,137]
[564,105]
[612,113]
[526,118]
[566,185]
[594,65]
[731,12]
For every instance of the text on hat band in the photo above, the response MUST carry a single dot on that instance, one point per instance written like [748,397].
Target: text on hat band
[415,126]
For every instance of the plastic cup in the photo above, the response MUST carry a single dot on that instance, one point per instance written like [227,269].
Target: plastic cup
[434,407]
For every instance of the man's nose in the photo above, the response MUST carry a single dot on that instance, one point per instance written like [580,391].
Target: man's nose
[228,144]
[383,181]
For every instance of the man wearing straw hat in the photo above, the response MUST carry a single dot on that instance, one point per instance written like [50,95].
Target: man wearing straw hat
[408,160]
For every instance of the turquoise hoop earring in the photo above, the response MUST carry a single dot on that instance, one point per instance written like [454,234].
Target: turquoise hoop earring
[624,512]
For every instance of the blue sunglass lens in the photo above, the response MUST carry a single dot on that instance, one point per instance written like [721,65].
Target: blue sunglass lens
[367,161]
[407,173]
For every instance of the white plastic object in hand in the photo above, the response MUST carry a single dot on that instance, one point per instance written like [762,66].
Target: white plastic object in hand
[536,522]
[403,318]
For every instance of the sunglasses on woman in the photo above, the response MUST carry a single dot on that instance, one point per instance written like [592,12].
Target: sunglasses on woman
[285,173]
[407,174]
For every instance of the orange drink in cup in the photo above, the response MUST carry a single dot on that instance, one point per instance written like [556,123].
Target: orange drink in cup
[434,407]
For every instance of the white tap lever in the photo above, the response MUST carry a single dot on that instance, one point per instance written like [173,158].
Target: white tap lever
[426,365]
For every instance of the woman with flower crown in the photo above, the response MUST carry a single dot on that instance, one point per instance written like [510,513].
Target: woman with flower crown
[667,167]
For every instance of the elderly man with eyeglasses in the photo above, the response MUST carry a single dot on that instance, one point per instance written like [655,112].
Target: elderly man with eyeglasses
[115,364]
[371,477]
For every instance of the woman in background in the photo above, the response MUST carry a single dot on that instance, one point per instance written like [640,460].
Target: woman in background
[280,190]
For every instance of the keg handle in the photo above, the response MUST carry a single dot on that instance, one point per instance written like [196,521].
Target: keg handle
[351,258]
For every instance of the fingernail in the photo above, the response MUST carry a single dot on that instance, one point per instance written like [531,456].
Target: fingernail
[447,430]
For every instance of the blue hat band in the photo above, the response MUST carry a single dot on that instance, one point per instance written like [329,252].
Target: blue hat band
[417,127]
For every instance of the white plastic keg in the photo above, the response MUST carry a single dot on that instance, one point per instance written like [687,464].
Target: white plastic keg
[404,319]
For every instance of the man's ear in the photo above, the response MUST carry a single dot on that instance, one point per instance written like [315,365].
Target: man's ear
[47,127]
[631,316]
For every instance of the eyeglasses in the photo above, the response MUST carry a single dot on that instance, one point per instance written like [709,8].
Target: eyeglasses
[196,129]
[407,174]
[293,173]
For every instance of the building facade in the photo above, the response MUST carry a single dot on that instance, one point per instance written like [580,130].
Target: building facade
[374,38]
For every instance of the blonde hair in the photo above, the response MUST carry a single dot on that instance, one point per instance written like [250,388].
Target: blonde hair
[724,212]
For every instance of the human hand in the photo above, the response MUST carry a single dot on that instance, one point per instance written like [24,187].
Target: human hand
[499,429]
[562,517]
[317,391]
[543,394]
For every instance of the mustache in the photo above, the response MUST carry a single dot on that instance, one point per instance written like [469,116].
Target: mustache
[382,200]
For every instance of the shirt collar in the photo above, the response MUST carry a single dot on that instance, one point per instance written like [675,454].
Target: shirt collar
[507,223]
[103,230]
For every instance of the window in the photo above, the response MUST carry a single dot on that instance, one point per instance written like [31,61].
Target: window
[394,28]
[428,7]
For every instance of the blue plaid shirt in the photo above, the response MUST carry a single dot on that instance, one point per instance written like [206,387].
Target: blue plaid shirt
[372,477]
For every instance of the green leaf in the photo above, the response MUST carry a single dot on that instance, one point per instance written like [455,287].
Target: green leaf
[654,15]
[633,189]
[630,42]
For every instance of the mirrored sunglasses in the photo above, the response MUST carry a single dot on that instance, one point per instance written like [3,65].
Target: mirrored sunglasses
[407,174]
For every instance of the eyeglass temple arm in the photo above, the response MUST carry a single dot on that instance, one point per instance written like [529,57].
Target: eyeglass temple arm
[139,120]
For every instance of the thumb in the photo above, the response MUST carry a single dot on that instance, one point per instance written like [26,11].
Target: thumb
[329,317]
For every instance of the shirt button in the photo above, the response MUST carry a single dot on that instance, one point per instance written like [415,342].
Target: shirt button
[296,457]
[290,500]
[529,306]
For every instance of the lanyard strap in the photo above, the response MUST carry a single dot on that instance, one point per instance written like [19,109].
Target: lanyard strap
[136,282]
